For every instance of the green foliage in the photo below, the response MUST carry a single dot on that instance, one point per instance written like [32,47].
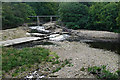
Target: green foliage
[82,69]
[47,8]
[56,62]
[65,62]
[74,15]
[15,14]
[118,18]
[56,70]
[11,58]
[95,16]
[102,16]
[102,73]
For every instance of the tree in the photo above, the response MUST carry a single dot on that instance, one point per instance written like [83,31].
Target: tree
[14,14]
[44,8]
[74,15]
[118,18]
[102,16]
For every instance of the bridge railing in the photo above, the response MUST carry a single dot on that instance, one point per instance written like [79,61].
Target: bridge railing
[51,18]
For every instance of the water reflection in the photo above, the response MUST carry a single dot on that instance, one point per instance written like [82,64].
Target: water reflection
[112,46]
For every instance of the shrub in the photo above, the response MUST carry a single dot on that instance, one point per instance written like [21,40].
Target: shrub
[102,73]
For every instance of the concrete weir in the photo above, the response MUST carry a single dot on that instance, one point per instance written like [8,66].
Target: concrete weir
[19,41]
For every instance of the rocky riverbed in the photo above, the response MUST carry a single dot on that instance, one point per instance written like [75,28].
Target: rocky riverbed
[80,53]
[83,56]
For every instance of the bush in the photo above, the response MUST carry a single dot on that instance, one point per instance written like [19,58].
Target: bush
[102,73]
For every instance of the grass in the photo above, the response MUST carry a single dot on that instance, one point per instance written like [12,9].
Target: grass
[12,58]
[65,62]
[102,73]
[56,70]
[17,61]
[82,69]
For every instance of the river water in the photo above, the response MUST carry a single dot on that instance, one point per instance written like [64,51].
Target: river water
[111,46]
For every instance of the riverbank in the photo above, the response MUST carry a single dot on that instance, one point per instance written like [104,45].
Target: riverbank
[75,49]
[83,56]
[21,31]
[104,36]
[13,33]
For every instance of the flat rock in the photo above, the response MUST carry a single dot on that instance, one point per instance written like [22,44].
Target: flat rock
[18,41]
[36,34]
[59,38]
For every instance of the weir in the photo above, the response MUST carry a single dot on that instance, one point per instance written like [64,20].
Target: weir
[18,41]
[44,16]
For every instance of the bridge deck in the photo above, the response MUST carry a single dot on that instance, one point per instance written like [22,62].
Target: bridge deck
[18,41]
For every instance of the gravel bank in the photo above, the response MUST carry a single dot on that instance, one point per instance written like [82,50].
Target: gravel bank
[99,34]
[14,33]
[83,56]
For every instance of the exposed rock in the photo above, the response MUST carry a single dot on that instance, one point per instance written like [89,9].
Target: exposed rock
[53,35]
[49,25]
[58,30]
[60,38]
[40,29]
[36,34]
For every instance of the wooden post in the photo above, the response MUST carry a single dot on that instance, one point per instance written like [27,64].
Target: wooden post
[38,22]
[51,19]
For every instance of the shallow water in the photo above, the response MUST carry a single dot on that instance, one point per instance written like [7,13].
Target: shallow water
[111,46]
[32,44]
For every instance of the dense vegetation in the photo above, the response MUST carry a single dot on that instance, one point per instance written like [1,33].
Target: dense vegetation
[48,8]
[75,15]
[15,14]
[96,16]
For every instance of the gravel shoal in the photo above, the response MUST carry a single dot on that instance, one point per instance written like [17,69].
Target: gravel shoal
[82,56]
